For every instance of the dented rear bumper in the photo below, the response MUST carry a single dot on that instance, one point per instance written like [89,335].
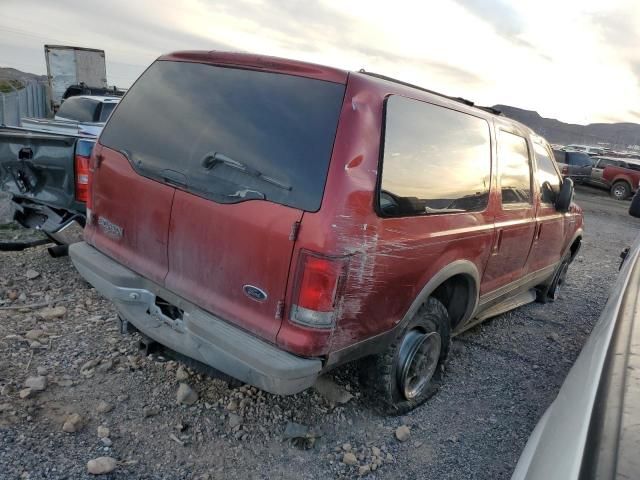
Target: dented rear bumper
[196,333]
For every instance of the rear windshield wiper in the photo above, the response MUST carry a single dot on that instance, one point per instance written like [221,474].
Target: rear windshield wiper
[210,160]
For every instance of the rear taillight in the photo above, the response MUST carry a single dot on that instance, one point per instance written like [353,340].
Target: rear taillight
[85,166]
[82,178]
[319,284]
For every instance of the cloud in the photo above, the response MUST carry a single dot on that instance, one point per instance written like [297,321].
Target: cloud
[443,70]
[489,50]
[502,17]
[313,26]
[620,31]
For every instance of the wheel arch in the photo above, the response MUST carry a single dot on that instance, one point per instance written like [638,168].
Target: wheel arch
[624,180]
[574,245]
[460,277]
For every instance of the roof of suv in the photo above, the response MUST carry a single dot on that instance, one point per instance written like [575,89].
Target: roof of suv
[316,71]
[260,62]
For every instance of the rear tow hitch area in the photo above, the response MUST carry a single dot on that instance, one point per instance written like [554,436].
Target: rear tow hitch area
[148,346]
[168,313]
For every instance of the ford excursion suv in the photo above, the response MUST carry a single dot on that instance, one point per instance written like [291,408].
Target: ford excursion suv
[274,219]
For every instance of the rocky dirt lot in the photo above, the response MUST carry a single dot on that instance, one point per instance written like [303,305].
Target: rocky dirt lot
[73,389]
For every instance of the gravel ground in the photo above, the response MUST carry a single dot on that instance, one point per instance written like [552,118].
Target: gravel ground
[6,212]
[501,377]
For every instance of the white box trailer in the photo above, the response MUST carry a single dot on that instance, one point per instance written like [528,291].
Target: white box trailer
[68,66]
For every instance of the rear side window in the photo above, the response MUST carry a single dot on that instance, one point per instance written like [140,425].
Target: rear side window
[435,160]
[633,166]
[515,172]
[578,159]
[78,109]
[560,156]
[547,175]
[606,162]
[229,134]
[105,111]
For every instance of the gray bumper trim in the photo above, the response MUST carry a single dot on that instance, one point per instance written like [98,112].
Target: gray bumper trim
[199,335]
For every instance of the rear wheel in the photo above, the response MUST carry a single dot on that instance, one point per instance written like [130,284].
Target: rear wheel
[549,293]
[620,190]
[410,370]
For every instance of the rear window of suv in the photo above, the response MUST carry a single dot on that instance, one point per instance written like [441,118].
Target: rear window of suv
[79,109]
[436,160]
[229,134]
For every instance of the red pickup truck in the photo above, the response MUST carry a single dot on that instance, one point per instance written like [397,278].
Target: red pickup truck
[623,181]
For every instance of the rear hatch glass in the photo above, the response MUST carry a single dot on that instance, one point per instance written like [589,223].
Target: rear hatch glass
[79,109]
[229,134]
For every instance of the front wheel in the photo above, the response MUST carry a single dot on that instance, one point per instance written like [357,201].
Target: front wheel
[620,190]
[410,370]
[550,292]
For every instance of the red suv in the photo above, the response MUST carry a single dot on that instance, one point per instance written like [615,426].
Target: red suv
[274,219]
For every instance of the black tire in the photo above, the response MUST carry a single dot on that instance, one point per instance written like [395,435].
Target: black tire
[549,293]
[380,374]
[620,190]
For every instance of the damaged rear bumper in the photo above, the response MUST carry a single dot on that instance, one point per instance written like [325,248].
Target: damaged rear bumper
[195,333]
[65,227]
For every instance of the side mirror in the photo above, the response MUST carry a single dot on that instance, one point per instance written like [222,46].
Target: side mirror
[565,195]
[634,208]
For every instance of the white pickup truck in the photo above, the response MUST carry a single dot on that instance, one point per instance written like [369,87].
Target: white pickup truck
[80,115]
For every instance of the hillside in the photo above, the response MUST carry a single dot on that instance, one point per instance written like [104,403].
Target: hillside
[619,135]
[7,73]
[12,79]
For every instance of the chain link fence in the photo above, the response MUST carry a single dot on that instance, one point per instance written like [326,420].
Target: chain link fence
[30,101]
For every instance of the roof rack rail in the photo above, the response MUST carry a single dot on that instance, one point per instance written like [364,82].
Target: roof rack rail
[464,101]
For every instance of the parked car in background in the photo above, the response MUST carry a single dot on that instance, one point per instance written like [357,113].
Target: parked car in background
[589,150]
[575,165]
[44,166]
[79,115]
[47,176]
[297,217]
[618,176]
[591,429]
[623,180]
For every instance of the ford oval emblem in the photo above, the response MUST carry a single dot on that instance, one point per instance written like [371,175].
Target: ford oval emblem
[254,293]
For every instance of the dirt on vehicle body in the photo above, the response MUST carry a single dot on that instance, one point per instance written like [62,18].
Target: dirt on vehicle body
[304,217]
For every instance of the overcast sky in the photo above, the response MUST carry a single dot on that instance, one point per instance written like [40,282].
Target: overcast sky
[575,60]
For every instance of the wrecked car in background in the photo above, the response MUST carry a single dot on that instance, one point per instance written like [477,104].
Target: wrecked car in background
[274,219]
[44,165]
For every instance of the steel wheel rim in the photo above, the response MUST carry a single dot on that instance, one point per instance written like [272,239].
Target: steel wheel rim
[619,191]
[418,359]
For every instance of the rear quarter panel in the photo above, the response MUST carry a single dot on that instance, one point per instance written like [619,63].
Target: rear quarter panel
[390,259]
[612,174]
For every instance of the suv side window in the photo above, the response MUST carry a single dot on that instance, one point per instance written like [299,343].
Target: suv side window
[435,160]
[515,171]
[105,111]
[607,162]
[547,176]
